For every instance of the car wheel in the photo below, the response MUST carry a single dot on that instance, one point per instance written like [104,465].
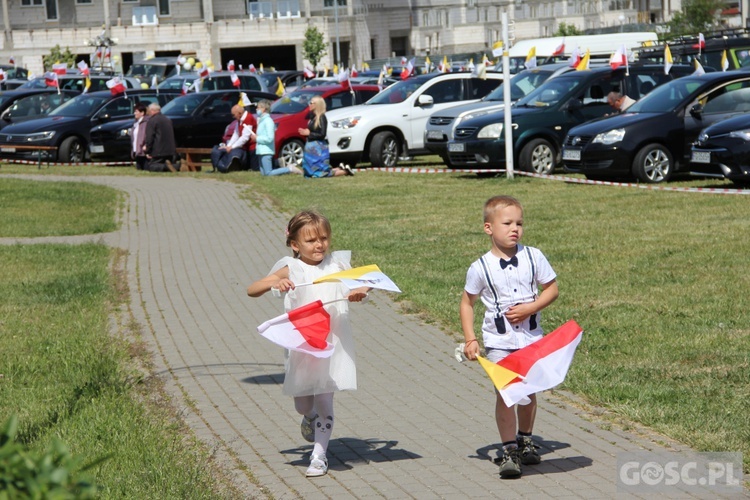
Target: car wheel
[538,156]
[653,164]
[384,150]
[292,152]
[72,150]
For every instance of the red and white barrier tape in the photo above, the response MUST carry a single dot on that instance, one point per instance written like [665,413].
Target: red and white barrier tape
[71,164]
[573,180]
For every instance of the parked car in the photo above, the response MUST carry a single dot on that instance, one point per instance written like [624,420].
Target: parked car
[160,67]
[14,76]
[68,127]
[26,104]
[392,123]
[198,120]
[76,81]
[290,79]
[684,50]
[542,119]
[723,149]
[652,139]
[442,124]
[219,80]
[357,80]
[290,114]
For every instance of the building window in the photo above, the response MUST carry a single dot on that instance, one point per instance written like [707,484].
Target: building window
[329,3]
[51,8]
[164,9]
[84,2]
[32,3]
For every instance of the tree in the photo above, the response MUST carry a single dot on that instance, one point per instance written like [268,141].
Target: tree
[57,55]
[696,17]
[314,47]
[565,29]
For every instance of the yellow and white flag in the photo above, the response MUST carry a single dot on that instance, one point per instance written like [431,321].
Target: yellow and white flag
[584,64]
[497,49]
[531,58]
[668,61]
[370,276]
[724,61]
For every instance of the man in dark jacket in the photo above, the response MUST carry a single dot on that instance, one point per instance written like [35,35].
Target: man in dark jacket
[160,144]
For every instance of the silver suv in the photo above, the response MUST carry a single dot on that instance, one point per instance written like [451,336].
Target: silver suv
[441,125]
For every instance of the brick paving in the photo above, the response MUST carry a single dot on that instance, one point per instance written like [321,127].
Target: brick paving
[420,425]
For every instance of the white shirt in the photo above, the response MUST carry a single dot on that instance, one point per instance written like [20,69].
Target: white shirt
[499,289]
[237,140]
[136,127]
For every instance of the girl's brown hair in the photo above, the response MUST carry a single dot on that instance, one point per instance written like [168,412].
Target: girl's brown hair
[317,222]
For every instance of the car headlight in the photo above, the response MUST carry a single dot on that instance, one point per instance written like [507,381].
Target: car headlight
[349,122]
[492,131]
[741,134]
[611,137]
[40,136]
[124,133]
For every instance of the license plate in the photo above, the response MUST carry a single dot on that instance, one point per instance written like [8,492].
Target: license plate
[457,147]
[434,134]
[572,154]
[7,150]
[95,148]
[701,157]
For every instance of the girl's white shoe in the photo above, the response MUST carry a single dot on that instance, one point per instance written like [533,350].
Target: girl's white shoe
[318,466]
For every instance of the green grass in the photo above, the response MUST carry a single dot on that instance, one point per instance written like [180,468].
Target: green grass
[32,208]
[64,374]
[657,279]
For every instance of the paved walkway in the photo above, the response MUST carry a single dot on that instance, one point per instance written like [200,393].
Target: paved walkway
[421,425]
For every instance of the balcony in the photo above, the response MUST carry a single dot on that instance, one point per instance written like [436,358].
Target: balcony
[145,16]
[260,10]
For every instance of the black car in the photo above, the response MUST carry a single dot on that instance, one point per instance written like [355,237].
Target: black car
[290,79]
[14,76]
[218,80]
[542,118]
[198,119]
[27,104]
[68,127]
[723,149]
[652,139]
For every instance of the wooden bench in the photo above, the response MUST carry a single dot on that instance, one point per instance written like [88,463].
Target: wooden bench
[13,148]
[194,158]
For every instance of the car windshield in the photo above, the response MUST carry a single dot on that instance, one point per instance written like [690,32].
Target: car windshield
[183,106]
[666,97]
[521,85]
[82,105]
[550,93]
[293,103]
[175,82]
[268,78]
[398,92]
[149,70]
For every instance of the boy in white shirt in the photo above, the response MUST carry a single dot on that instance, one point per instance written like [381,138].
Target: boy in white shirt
[507,280]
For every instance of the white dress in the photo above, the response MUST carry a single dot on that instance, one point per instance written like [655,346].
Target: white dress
[307,375]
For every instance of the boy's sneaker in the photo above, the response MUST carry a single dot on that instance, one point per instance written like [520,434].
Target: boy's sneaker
[527,451]
[318,466]
[510,464]
[307,428]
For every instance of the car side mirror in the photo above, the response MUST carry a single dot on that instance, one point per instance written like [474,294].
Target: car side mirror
[574,104]
[425,100]
[696,111]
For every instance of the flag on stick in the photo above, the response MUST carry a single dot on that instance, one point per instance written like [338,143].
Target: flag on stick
[668,61]
[724,61]
[230,65]
[584,64]
[575,57]
[244,100]
[698,69]
[531,59]
[408,69]
[50,79]
[60,68]
[279,87]
[537,367]
[304,329]
[560,50]
[116,86]
[235,79]
[84,68]
[356,277]
[497,49]
[619,58]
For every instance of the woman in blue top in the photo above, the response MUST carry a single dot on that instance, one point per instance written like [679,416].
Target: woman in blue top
[264,141]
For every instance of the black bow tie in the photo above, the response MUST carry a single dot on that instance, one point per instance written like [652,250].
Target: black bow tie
[513,261]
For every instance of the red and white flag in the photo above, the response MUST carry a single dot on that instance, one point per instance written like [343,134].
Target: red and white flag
[251,68]
[50,79]
[60,68]
[84,68]
[204,72]
[353,73]
[309,73]
[304,329]
[12,60]
[701,43]
[230,65]
[2,75]
[108,53]
[235,79]
[619,58]
[185,87]
[560,50]
[403,61]
[343,79]
[408,70]
[116,86]
[575,58]
[537,367]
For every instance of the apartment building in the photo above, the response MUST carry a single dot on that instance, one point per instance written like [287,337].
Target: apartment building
[272,32]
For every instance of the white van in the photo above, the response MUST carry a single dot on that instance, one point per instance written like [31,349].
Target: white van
[598,45]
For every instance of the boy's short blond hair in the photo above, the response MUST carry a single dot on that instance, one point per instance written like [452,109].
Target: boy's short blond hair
[498,202]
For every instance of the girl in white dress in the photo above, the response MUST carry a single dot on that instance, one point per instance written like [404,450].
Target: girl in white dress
[312,381]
